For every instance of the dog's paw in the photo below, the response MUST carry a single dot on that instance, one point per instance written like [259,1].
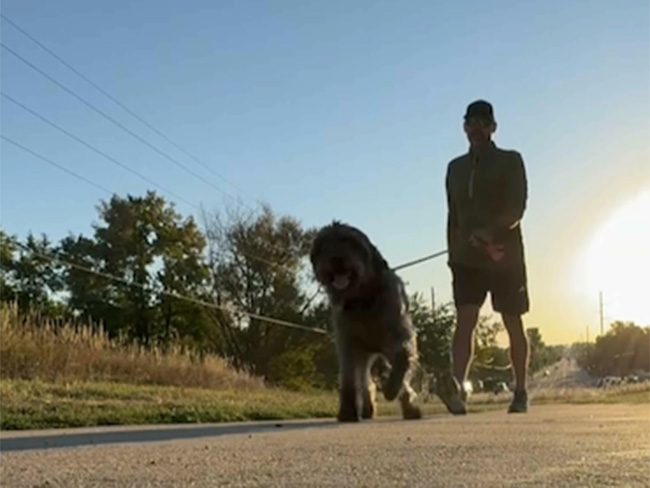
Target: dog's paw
[368,412]
[411,412]
[347,416]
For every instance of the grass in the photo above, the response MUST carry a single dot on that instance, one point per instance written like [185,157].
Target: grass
[634,393]
[35,404]
[32,404]
[56,375]
[72,375]
[37,348]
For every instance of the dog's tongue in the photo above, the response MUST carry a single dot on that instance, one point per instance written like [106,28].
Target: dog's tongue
[341,281]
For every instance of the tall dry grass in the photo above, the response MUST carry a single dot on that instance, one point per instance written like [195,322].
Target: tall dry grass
[35,348]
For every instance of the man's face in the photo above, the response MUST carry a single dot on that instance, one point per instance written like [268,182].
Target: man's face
[479,130]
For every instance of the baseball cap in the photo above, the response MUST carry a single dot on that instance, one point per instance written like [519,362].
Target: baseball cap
[480,109]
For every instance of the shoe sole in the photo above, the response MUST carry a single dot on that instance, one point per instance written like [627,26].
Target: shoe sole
[518,410]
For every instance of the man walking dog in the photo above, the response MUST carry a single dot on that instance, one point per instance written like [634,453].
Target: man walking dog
[486,197]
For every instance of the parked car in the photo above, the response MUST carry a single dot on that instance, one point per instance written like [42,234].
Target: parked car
[643,376]
[609,381]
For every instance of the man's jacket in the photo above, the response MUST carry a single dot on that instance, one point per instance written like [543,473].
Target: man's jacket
[486,191]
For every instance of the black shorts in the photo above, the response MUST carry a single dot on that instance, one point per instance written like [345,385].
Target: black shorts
[508,289]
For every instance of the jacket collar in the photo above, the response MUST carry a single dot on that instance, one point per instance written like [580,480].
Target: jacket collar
[486,155]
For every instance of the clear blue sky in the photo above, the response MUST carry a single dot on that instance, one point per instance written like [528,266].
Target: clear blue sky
[347,110]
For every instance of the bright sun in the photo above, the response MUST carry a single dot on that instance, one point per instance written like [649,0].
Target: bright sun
[617,261]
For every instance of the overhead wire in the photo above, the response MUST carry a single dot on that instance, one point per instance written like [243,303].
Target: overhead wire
[128,131]
[113,161]
[115,100]
[178,296]
[114,121]
[94,149]
[124,128]
[171,294]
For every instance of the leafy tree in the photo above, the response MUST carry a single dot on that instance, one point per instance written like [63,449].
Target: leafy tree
[541,355]
[258,265]
[8,288]
[140,240]
[434,332]
[27,275]
[624,350]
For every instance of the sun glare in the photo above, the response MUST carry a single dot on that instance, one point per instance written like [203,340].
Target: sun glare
[617,262]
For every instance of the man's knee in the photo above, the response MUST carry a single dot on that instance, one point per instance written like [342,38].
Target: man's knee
[513,323]
[467,318]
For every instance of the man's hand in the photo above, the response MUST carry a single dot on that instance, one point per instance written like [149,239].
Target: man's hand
[482,239]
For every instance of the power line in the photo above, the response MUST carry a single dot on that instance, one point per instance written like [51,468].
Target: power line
[116,101]
[136,136]
[252,256]
[177,296]
[115,122]
[602,320]
[112,160]
[252,315]
[196,301]
[56,165]
[96,150]
[142,140]
[124,107]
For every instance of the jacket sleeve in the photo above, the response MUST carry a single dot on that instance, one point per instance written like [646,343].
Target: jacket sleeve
[516,199]
[452,216]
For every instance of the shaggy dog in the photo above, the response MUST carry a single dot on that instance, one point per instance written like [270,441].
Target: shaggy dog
[370,318]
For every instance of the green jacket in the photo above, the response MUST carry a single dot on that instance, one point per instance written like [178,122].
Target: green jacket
[486,192]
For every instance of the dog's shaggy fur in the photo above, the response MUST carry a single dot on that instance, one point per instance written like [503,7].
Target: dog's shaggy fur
[370,318]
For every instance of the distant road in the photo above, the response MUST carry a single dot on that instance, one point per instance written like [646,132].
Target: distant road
[554,446]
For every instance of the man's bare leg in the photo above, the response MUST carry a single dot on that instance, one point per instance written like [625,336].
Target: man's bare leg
[518,348]
[463,343]
[519,351]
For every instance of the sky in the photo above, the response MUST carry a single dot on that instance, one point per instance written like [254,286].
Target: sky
[351,111]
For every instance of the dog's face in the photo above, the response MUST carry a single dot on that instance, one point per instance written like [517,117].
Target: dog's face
[344,260]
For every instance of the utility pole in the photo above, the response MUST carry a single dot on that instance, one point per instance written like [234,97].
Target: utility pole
[602,327]
[433,299]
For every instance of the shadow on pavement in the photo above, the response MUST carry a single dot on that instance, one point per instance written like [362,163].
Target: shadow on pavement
[68,439]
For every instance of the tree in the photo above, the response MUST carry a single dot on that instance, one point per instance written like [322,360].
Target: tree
[491,362]
[184,271]
[435,333]
[625,349]
[537,347]
[541,355]
[257,264]
[140,240]
[434,330]
[27,275]
[8,289]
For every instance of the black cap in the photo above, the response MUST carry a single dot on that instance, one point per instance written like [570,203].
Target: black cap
[480,109]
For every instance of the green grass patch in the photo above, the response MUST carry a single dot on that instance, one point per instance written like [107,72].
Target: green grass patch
[35,404]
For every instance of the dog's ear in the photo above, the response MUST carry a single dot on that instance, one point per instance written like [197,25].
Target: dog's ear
[379,264]
[317,245]
[403,295]
[315,249]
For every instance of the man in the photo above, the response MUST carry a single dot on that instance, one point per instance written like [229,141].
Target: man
[486,195]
